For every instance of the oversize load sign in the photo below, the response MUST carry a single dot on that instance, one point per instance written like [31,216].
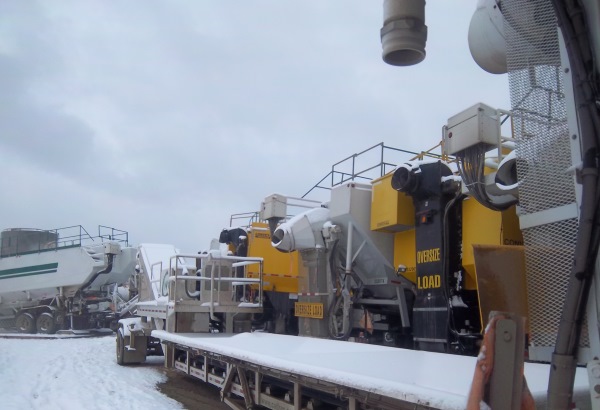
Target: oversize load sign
[312,310]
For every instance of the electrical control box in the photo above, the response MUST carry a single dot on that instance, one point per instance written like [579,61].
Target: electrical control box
[111,248]
[274,206]
[479,124]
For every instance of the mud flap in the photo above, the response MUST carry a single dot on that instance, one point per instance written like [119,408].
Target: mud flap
[501,280]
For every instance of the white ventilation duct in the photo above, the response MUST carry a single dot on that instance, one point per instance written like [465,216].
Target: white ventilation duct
[506,176]
[486,37]
[301,232]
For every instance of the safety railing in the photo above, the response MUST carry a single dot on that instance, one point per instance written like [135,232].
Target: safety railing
[155,279]
[244,218]
[217,276]
[21,241]
[107,233]
[369,164]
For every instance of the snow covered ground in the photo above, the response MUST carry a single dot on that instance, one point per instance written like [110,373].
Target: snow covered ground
[76,374]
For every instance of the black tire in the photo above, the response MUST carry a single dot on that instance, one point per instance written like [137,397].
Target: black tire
[25,322]
[120,347]
[60,318]
[46,323]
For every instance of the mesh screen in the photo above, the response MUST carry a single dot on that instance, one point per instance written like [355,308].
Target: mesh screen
[543,156]
[549,251]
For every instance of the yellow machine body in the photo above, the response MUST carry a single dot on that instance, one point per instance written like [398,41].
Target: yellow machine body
[393,212]
[483,226]
[280,269]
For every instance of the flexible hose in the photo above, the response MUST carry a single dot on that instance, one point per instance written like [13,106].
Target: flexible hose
[562,373]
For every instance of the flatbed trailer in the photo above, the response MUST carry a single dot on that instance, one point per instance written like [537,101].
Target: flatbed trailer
[293,373]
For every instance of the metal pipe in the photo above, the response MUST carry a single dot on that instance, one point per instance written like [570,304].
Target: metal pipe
[175,281]
[360,248]
[562,371]
[108,269]
[404,33]
[244,263]
[219,283]
[348,266]
[226,279]
[260,286]
[211,309]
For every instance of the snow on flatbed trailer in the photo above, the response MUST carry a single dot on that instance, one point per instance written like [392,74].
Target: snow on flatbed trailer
[384,377]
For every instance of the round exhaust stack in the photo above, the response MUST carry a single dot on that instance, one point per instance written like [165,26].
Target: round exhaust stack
[404,32]
[404,180]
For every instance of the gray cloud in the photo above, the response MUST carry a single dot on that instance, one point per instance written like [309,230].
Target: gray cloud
[167,117]
[35,130]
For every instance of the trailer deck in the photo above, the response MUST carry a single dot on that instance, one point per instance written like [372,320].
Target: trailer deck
[383,377]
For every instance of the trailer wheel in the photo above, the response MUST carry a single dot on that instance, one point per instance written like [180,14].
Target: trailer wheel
[60,319]
[46,323]
[120,348]
[25,322]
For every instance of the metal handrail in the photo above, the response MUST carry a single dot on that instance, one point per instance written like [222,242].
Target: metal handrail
[43,240]
[117,235]
[362,174]
[157,280]
[337,177]
[239,261]
[250,216]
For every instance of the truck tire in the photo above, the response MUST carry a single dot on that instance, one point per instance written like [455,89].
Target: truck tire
[60,318]
[25,322]
[46,323]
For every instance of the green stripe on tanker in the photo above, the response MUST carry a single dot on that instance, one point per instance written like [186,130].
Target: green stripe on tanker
[28,271]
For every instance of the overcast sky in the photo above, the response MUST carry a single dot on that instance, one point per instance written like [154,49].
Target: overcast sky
[163,118]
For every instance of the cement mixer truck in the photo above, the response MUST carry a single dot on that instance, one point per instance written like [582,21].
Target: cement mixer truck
[64,279]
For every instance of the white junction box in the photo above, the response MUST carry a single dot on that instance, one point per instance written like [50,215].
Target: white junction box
[111,248]
[274,206]
[479,124]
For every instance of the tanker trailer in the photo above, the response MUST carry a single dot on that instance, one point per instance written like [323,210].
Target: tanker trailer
[60,279]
